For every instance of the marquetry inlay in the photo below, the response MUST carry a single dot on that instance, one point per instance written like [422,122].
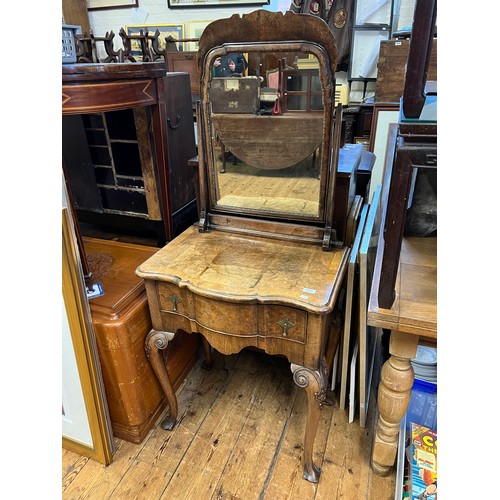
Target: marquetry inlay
[95,97]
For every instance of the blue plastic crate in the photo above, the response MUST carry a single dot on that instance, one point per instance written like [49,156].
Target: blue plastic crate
[423,405]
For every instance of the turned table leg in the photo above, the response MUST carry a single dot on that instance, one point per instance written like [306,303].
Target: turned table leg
[394,395]
[314,383]
[155,342]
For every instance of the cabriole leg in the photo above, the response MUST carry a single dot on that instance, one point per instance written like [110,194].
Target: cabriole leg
[156,342]
[314,383]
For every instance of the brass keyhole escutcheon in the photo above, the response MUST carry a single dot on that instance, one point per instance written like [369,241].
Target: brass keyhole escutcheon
[175,300]
[285,323]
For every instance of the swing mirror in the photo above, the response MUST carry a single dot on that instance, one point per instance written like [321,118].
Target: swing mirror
[266,133]
[267,112]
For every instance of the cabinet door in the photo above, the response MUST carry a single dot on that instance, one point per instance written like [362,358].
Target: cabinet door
[78,165]
[181,148]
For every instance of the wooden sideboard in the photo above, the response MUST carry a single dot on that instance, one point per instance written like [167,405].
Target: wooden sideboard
[128,134]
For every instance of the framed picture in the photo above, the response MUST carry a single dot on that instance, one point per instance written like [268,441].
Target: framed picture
[202,4]
[368,335]
[195,29]
[86,428]
[383,116]
[111,4]
[370,12]
[365,52]
[174,30]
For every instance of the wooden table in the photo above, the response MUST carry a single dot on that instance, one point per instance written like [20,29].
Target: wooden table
[242,291]
[412,316]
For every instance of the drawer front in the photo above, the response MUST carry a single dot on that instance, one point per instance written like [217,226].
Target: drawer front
[274,328]
[175,300]
[226,317]
[283,323]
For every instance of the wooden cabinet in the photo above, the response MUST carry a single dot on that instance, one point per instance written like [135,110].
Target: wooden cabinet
[121,321]
[128,134]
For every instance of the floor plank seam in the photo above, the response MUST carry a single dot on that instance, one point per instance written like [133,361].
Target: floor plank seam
[219,392]
[278,449]
[253,401]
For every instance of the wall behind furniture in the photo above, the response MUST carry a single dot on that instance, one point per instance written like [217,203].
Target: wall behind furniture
[157,12]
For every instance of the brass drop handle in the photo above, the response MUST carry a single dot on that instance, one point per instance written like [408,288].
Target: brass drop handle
[285,323]
[175,300]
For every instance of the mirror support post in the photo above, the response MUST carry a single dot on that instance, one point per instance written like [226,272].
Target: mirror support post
[328,241]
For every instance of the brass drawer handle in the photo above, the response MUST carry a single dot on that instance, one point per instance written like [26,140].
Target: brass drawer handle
[175,300]
[285,323]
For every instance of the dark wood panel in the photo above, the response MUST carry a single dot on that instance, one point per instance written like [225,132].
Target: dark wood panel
[108,96]
[181,143]
[79,168]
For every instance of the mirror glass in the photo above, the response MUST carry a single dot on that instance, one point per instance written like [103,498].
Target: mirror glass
[266,130]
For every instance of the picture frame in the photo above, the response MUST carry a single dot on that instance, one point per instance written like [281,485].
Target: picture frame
[368,336]
[86,427]
[383,116]
[348,335]
[111,4]
[202,4]
[177,31]
[195,29]
[365,52]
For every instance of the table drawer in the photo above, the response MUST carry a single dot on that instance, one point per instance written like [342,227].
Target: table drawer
[283,322]
[226,317]
[175,300]
[93,97]
[246,320]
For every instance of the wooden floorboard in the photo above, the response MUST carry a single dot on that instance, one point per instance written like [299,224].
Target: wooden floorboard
[239,436]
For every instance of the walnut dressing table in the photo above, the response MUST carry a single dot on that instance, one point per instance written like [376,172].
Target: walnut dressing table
[240,291]
[265,277]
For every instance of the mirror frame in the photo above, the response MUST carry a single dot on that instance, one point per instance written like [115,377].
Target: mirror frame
[265,31]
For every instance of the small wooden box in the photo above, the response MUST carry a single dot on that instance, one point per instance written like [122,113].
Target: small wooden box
[392,67]
[121,321]
[235,95]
